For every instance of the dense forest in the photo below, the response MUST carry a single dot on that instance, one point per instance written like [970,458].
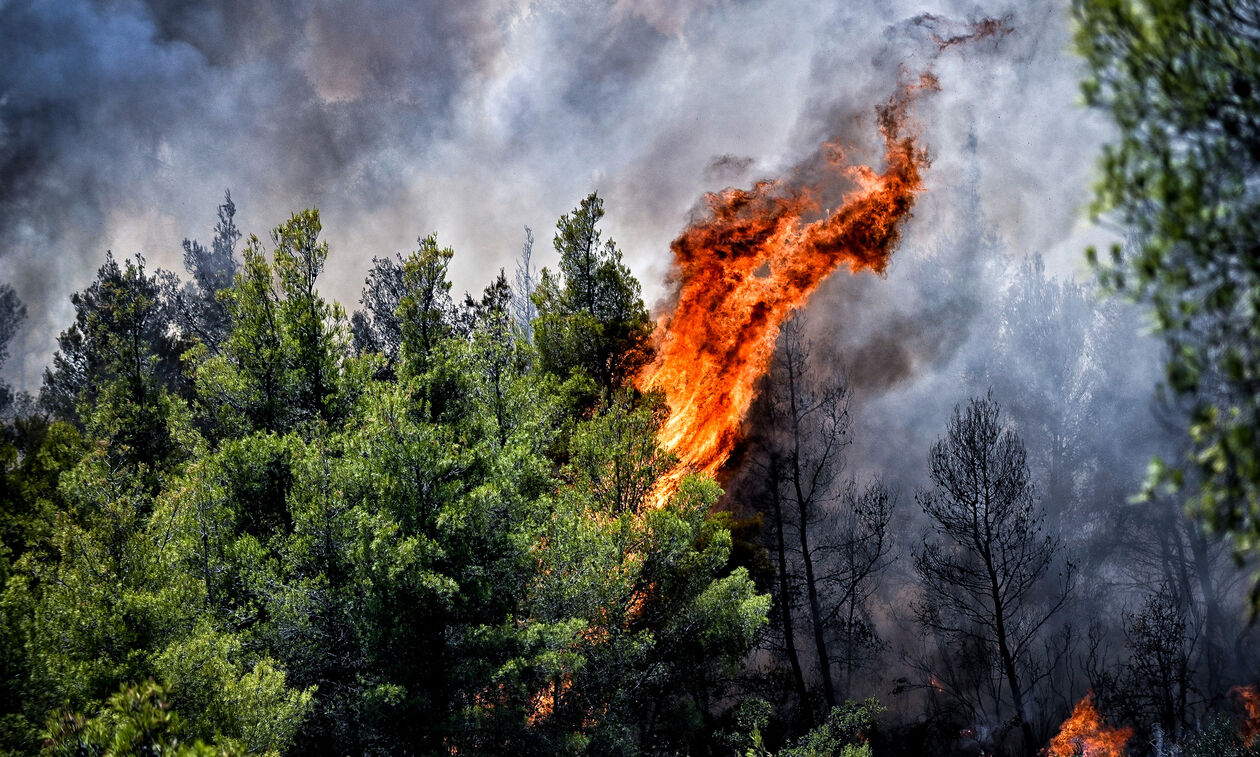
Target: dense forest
[239,518]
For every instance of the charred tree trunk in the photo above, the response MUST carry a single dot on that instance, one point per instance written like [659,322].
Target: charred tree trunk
[1008,662]
[815,614]
[807,558]
[785,606]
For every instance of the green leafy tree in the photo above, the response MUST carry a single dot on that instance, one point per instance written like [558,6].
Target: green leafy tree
[30,500]
[280,365]
[117,371]
[119,595]
[615,456]
[92,607]
[591,315]
[136,720]
[502,355]
[252,706]
[401,546]
[1179,79]
[1218,736]
[663,625]
[425,310]
[447,556]
[843,734]
[313,326]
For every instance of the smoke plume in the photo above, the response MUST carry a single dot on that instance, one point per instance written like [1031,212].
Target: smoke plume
[122,122]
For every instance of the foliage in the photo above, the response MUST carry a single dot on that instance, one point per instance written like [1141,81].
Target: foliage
[1217,737]
[424,310]
[590,314]
[842,734]
[117,371]
[432,545]
[240,523]
[135,720]
[278,367]
[1179,80]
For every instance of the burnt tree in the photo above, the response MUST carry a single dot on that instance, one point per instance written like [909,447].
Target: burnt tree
[828,536]
[986,577]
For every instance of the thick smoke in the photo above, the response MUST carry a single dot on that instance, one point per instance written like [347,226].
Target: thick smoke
[122,122]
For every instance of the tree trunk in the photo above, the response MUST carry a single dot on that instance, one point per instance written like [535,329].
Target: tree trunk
[815,610]
[1008,665]
[815,613]
[785,607]
[1212,627]
[811,587]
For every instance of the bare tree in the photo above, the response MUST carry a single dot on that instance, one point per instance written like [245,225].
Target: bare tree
[1159,674]
[829,535]
[858,550]
[772,467]
[983,578]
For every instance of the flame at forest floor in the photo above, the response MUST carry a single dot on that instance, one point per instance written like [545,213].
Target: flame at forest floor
[1085,734]
[1249,697]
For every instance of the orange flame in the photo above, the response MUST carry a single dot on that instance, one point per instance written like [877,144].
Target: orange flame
[1085,734]
[543,703]
[751,261]
[1250,698]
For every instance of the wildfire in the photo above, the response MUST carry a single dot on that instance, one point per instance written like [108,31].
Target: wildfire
[1249,696]
[1085,734]
[543,703]
[754,257]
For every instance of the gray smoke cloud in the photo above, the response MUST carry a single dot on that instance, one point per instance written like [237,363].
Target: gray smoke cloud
[122,122]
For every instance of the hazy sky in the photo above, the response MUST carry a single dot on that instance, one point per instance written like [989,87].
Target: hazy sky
[122,122]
